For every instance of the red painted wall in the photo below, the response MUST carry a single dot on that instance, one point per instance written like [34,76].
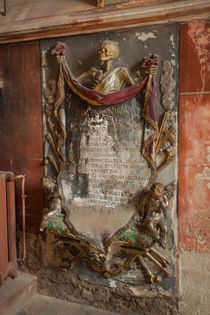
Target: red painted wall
[194,137]
[21,121]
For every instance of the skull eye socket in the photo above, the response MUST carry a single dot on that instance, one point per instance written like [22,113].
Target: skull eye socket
[103,51]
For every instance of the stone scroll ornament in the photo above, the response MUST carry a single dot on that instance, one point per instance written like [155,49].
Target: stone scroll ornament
[148,226]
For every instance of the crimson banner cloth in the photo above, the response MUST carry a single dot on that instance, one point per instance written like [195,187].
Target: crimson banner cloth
[95,98]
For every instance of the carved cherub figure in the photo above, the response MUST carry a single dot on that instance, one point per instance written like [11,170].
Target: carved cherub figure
[152,208]
[54,201]
[110,80]
[51,212]
[49,184]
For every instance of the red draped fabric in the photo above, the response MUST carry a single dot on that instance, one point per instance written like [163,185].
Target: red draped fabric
[98,99]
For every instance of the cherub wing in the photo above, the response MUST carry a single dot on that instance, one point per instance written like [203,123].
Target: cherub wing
[142,202]
[169,190]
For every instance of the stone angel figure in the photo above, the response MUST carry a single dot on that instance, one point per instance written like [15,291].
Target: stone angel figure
[152,210]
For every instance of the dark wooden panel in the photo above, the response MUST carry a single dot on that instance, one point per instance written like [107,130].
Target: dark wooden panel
[21,119]
[21,111]
[4,79]
[25,73]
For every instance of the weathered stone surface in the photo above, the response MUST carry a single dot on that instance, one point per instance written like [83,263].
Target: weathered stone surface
[105,171]
[51,306]
[44,259]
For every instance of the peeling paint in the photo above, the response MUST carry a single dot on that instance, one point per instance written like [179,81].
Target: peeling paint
[206,172]
[172,40]
[199,35]
[112,283]
[144,36]
[208,156]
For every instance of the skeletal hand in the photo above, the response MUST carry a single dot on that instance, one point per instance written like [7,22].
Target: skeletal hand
[151,70]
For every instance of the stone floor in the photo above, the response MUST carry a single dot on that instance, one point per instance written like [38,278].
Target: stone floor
[43,305]
[20,297]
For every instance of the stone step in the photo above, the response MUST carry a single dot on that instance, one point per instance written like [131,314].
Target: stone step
[14,293]
[44,305]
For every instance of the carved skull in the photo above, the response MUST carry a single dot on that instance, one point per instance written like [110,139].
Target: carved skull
[108,50]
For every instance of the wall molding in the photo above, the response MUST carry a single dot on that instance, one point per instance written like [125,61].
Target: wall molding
[96,20]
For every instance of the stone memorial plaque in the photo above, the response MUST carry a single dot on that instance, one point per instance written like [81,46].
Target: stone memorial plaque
[109,117]
[105,168]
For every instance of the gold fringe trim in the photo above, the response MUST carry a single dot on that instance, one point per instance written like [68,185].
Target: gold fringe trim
[92,102]
[63,137]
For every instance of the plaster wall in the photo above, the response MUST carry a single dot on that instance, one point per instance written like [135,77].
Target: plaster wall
[194,194]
